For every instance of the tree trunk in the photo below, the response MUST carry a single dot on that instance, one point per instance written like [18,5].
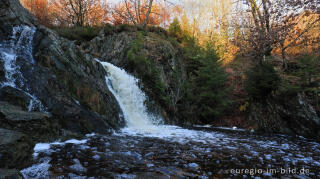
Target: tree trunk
[284,60]
[129,13]
[148,14]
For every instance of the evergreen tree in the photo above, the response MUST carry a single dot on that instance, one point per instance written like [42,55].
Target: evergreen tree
[175,29]
[261,81]
[210,86]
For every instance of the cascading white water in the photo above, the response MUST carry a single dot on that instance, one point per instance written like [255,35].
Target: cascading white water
[19,45]
[139,122]
[131,99]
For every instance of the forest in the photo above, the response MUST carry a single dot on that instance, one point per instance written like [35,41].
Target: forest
[236,51]
[159,89]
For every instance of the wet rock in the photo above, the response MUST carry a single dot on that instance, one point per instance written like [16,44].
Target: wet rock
[193,165]
[40,126]
[10,174]
[236,151]
[77,167]
[39,170]
[96,157]
[15,149]
[149,154]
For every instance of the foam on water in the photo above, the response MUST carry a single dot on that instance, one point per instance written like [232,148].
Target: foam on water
[19,45]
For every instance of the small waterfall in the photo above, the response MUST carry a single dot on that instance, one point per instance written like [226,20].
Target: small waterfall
[19,45]
[139,122]
[130,98]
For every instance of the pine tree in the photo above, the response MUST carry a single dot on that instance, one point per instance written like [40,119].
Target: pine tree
[210,85]
[175,29]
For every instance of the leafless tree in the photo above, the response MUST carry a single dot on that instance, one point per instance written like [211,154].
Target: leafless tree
[275,21]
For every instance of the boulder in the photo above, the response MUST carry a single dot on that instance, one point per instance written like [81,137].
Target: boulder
[15,149]
[40,126]
[285,114]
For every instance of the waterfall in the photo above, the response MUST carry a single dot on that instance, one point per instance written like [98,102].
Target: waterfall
[139,121]
[19,45]
[130,98]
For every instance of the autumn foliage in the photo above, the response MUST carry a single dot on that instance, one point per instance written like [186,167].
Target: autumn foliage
[265,36]
[95,13]
[256,28]
[159,14]
[40,9]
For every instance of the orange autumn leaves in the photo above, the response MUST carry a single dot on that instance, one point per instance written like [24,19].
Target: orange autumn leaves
[160,14]
[78,12]
[40,9]
[68,13]
[228,25]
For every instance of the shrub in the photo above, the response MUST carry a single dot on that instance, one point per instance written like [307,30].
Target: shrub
[108,29]
[126,28]
[261,81]
[158,30]
[79,33]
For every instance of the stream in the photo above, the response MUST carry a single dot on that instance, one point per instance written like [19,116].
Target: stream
[146,148]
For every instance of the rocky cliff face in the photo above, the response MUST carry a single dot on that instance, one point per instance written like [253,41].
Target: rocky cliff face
[72,85]
[287,115]
[48,87]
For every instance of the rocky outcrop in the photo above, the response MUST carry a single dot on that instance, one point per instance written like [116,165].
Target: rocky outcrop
[69,84]
[164,62]
[15,149]
[286,114]
[72,85]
